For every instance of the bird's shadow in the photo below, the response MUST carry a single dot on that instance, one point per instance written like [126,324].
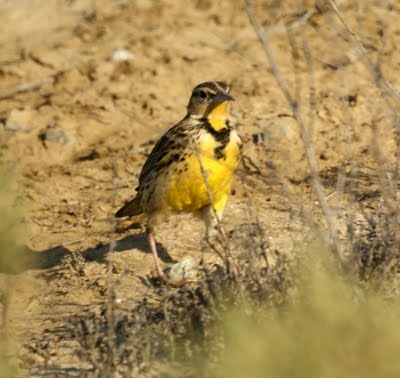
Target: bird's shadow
[26,258]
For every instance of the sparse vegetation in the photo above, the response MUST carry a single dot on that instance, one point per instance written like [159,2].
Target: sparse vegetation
[299,318]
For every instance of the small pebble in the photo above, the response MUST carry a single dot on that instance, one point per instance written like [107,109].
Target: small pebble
[122,55]
[54,134]
[20,120]
[185,269]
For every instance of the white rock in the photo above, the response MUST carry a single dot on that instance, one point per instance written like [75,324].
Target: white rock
[185,269]
[122,55]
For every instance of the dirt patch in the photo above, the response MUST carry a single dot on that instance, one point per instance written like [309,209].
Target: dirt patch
[86,90]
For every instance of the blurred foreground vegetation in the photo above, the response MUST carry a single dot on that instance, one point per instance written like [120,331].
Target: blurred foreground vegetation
[297,318]
[10,259]
[329,328]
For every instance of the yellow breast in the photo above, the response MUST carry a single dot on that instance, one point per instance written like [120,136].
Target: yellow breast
[188,191]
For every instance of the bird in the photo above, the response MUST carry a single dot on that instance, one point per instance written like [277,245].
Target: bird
[191,167]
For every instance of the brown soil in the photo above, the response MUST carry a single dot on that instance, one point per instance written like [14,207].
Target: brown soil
[81,131]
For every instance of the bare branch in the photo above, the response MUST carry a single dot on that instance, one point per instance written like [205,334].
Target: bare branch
[380,78]
[305,135]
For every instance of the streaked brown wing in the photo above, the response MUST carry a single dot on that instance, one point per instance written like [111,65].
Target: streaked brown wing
[166,150]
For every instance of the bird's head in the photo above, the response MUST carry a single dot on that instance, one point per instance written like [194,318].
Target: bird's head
[210,100]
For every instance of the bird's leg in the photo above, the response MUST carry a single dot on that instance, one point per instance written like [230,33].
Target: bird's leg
[213,220]
[153,220]
[153,249]
[215,231]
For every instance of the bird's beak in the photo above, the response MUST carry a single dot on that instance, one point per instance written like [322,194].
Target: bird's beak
[222,97]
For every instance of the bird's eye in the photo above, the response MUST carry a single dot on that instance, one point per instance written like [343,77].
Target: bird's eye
[202,94]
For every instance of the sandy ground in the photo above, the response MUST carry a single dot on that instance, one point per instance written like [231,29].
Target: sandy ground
[82,127]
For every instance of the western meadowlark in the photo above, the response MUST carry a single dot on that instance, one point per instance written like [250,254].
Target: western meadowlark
[191,167]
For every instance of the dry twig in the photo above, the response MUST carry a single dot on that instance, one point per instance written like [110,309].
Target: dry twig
[305,135]
[379,77]
[24,87]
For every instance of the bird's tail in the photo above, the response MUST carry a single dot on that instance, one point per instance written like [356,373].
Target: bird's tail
[130,209]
